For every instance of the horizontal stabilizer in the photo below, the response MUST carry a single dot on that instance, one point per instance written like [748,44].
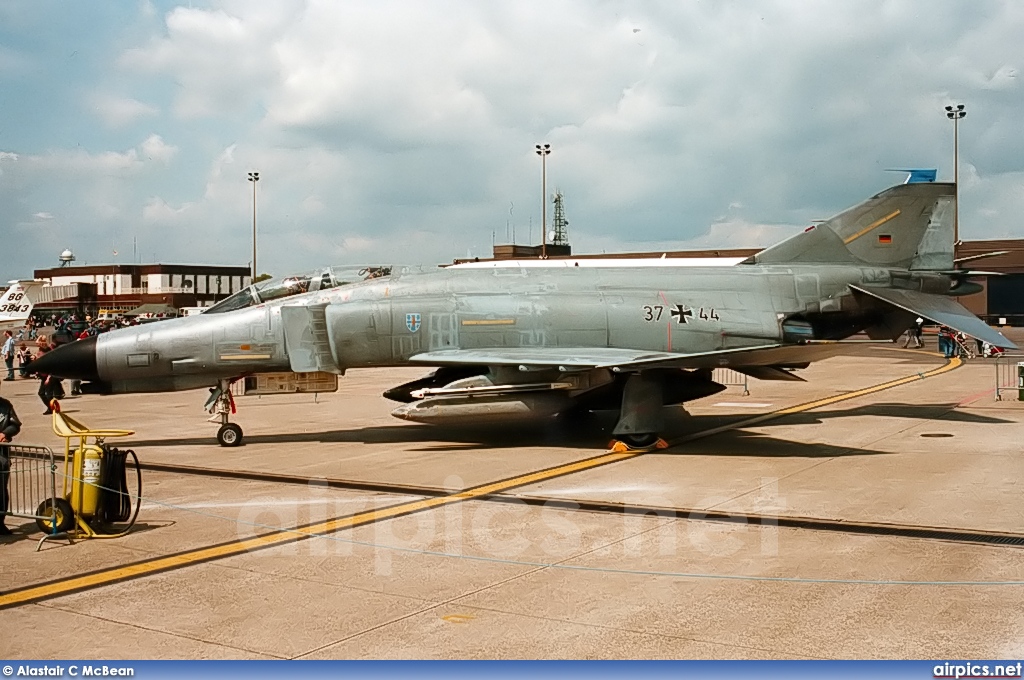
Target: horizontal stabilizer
[967,273]
[941,310]
[971,258]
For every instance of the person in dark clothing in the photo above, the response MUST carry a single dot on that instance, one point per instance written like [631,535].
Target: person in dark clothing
[10,426]
[24,359]
[48,384]
[946,342]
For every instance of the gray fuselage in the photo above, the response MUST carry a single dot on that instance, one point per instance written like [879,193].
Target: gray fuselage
[385,321]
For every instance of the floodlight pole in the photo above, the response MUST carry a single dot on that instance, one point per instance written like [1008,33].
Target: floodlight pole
[543,151]
[254,177]
[955,114]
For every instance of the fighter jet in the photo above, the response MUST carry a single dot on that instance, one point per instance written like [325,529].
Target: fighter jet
[17,302]
[529,342]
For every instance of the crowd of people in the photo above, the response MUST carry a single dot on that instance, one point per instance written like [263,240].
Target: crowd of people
[28,343]
[952,343]
[72,323]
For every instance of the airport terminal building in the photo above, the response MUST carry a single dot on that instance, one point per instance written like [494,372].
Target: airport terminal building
[1001,303]
[124,287]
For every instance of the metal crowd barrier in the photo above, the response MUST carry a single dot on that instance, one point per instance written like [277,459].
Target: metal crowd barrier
[729,377]
[1007,376]
[32,481]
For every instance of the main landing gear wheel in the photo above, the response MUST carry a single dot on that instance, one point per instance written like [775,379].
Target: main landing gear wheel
[639,441]
[229,434]
[640,418]
[58,513]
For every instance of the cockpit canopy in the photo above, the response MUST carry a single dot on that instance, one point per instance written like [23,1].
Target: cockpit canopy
[320,279]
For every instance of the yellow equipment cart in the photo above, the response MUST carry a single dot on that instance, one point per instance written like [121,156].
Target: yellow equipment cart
[95,483]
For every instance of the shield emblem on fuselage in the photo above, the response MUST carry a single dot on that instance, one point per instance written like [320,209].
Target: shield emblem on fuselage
[412,321]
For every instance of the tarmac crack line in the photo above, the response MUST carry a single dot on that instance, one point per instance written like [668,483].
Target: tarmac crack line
[647,633]
[714,507]
[481,589]
[661,524]
[423,610]
[147,629]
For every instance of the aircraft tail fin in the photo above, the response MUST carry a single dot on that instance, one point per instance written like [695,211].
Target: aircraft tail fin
[17,302]
[908,226]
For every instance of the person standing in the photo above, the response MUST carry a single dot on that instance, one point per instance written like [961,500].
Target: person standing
[47,383]
[24,358]
[946,343]
[7,352]
[10,426]
[915,333]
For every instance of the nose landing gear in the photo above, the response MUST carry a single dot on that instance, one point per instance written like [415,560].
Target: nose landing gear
[222,405]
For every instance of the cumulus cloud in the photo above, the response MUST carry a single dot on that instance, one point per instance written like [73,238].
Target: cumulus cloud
[398,130]
[82,165]
[116,111]
[154,148]
[219,59]
[158,211]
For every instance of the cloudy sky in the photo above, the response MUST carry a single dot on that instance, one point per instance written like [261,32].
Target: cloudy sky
[404,131]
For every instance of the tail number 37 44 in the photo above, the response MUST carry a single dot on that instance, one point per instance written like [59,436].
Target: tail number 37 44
[680,313]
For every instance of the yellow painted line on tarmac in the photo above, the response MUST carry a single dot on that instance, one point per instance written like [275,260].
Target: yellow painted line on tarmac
[73,584]
[949,366]
[818,403]
[104,577]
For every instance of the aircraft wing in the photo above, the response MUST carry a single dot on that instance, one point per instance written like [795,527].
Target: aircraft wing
[626,359]
[940,309]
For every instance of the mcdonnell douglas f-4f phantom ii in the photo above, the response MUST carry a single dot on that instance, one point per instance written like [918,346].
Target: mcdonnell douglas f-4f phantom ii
[532,342]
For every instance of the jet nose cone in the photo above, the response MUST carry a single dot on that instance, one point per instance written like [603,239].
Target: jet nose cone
[75,360]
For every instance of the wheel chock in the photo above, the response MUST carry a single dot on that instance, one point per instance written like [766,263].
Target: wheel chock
[616,446]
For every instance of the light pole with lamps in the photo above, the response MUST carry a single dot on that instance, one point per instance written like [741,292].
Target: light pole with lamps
[543,151]
[955,114]
[254,177]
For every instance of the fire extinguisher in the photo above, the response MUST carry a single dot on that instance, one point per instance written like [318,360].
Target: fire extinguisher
[85,488]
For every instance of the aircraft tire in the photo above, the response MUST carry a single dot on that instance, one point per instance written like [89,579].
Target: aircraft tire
[639,441]
[229,434]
